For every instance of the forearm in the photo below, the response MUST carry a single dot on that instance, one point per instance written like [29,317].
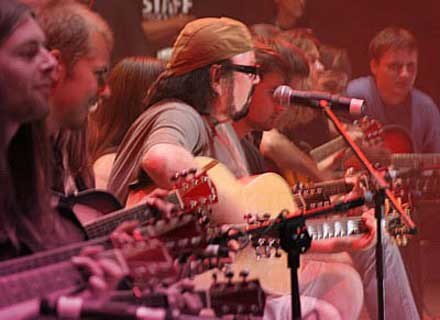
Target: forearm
[287,156]
[334,245]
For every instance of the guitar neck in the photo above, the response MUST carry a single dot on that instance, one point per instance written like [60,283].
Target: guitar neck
[320,192]
[105,225]
[48,257]
[327,149]
[415,160]
[40,282]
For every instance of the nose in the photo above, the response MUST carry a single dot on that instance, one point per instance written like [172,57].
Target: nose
[318,66]
[404,71]
[48,63]
[104,91]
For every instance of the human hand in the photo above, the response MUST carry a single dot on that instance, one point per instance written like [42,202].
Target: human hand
[157,199]
[106,269]
[368,239]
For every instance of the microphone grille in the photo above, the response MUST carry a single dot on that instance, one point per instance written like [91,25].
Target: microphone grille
[282,94]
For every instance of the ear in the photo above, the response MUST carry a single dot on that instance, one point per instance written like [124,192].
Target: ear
[215,76]
[374,64]
[61,69]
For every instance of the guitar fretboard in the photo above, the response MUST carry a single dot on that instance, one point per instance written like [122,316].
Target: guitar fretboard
[414,160]
[105,225]
[142,213]
[327,149]
[319,192]
[48,257]
[39,282]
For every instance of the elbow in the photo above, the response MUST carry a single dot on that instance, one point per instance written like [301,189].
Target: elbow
[154,164]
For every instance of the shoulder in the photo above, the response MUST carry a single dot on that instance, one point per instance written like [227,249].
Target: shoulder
[102,168]
[362,85]
[169,107]
[170,111]
[422,99]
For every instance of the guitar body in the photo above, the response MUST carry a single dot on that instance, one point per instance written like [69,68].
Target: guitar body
[396,139]
[136,196]
[266,193]
[88,205]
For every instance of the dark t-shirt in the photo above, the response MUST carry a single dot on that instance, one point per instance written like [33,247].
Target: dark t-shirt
[255,161]
[125,18]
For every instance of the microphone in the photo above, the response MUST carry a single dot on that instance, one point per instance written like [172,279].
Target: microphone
[78,308]
[286,95]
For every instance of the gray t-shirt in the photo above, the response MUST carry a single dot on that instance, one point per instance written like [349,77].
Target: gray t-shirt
[173,122]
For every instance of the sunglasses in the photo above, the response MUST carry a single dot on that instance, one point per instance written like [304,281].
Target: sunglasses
[252,71]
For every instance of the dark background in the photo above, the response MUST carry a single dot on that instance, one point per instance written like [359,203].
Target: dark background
[351,24]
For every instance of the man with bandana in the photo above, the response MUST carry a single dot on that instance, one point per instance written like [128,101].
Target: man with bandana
[208,82]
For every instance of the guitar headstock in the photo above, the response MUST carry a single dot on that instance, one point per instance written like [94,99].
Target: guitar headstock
[371,130]
[193,191]
[395,226]
[181,239]
[149,262]
[244,297]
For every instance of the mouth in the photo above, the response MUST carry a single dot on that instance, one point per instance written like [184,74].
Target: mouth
[403,85]
[45,89]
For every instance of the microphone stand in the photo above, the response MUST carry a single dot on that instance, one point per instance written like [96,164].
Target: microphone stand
[383,191]
[294,240]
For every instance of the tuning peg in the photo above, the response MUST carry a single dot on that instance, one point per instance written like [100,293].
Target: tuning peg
[214,278]
[244,274]
[204,220]
[249,218]
[254,309]
[229,274]
[225,309]
[241,309]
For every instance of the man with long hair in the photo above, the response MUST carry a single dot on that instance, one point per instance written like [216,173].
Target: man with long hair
[26,69]
[82,42]
[208,82]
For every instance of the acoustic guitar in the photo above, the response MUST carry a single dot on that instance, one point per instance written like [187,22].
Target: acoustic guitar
[400,147]
[267,195]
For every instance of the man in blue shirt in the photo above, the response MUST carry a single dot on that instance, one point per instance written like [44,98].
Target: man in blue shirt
[390,93]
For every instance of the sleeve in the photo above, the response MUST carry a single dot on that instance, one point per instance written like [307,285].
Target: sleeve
[431,139]
[176,126]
